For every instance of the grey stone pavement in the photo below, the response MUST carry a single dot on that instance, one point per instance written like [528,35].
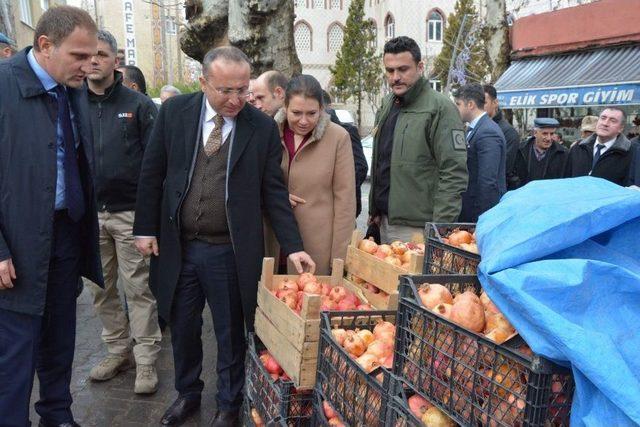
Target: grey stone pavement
[113,403]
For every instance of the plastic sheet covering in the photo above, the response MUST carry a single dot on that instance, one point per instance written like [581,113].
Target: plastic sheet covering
[561,259]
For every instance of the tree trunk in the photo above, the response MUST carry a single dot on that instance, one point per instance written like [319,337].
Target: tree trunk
[497,37]
[263,29]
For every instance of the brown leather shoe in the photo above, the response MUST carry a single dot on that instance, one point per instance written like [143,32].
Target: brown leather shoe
[226,419]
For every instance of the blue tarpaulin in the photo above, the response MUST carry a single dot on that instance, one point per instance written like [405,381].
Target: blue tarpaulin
[561,259]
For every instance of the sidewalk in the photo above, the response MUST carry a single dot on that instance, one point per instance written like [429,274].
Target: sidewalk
[113,403]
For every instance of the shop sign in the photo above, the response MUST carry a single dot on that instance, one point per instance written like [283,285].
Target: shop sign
[622,94]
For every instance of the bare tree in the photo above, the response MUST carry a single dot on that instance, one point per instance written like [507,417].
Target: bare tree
[263,29]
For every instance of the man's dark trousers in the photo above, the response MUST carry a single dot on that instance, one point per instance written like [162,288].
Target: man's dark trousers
[43,343]
[208,274]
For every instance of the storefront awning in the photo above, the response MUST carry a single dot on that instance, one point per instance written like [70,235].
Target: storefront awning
[605,76]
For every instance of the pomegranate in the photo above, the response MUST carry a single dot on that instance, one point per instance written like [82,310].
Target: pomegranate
[290,301]
[326,288]
[385,249]
[488,304]
[346,305]
[328,410]
[393,260]
[443,310]
[270,364]
[257,419]
[369,246]
[339,335]
[380,254]
[468,314]
[335,421]
[353,298]
[354,345]
[468,294]
[498,335]
[388,361]
[384,326]
[497,321]
[283,292]
[338,293]
[364,307]
[306,277]
[434,294]
[418,405]
[388,337]
[433,417]
[327,304]
[379,349]
[368,362]
[288,284]
[366,335]
[313,288]
[460,236]
[371,288]
[357,280]
[398,247]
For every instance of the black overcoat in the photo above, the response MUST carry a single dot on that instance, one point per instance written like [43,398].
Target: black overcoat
[613,165]
[28,117]
[254,185]
[555,161]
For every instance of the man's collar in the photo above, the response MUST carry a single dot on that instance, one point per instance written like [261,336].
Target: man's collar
[210,113]
[47,81]
[413,92]
[475,121]
[608,143]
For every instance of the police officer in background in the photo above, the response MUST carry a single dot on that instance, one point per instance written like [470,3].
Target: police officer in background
[539,156]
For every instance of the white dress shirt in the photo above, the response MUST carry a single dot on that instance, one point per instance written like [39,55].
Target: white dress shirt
[607,145]
[208,125]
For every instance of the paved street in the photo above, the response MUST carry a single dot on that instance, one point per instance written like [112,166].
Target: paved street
[113,403]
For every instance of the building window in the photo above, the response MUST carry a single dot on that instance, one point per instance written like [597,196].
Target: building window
[336,4]
[434,27]
[374,31]
[170,25]
[436,85]
[25,12]
[318,4]
[335,35]
[44,4]
[302,37]
[389,27]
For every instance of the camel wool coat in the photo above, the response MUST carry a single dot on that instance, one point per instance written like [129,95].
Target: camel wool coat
[323,174]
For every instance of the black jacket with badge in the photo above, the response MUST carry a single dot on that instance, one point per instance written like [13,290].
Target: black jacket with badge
[121,120]
[527,168]
[613,165]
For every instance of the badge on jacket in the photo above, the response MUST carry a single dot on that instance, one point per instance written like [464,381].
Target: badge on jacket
[459,141]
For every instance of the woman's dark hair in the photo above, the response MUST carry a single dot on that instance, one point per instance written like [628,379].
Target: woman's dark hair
[304,85]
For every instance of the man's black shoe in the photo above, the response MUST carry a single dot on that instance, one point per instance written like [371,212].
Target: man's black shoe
[179,411]
[226,419]
[71,424]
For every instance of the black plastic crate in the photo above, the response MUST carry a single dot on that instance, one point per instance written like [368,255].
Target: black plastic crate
[442,258]
[399,414]
[469,377]
[276,401]
[360,398]
[319,418]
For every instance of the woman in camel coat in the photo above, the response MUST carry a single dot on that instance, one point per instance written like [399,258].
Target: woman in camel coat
[318,168]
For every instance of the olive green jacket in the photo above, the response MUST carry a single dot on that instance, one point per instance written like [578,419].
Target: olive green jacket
[428,160]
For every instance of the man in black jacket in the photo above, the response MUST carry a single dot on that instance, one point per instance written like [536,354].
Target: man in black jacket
[607,153]
[48,221]
[210,172]
[511,136]
[121,120]
[539,156]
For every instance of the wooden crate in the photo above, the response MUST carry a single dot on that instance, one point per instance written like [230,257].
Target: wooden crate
[377,301]
[374,270]
[292,339]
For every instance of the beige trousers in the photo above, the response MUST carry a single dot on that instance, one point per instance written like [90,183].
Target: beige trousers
[121,259]
[389,233]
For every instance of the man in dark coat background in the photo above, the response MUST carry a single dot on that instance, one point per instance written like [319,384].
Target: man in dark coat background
[606,154]
[539,156]
[486,154]
[48,219]
[211,166]
[511,135]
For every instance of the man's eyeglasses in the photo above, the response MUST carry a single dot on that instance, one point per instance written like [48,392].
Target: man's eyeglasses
[227,92]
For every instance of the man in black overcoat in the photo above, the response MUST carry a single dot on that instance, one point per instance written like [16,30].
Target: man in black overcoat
[48,219]
[212,165]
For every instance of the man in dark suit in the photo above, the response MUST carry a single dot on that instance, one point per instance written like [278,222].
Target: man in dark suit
[486,154]
[212,165]
[48,220]
[607,153]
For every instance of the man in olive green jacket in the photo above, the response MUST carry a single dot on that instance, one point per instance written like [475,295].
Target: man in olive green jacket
[419,167]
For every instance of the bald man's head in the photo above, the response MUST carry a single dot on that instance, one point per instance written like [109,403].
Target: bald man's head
[268,91]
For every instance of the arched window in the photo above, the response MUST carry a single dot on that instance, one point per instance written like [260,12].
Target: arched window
[302,36]
[389,27]
[336,4]
[318,4]
[434,27]
[335,35]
